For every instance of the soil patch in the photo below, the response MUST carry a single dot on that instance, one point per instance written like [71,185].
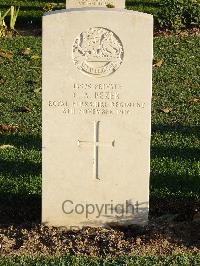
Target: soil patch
[158,238]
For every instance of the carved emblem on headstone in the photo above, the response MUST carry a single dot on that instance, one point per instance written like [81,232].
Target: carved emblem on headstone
[98,52]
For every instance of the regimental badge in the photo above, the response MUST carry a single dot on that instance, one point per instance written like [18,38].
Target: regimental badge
[98,52]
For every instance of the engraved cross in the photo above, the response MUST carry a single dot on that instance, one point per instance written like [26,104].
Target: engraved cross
[96,144]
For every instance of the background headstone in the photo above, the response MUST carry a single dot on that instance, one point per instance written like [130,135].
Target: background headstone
[97,80]
[94,3]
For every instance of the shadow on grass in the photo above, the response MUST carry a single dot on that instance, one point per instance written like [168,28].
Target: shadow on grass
[19,168]
[30,142]
[192,130]
[183,197]
[142,3]
[30,15]
[28,20]
[186,153]
[183,207]
[19,209]
[174,193]
[16,2]
[22,8]
[176,183]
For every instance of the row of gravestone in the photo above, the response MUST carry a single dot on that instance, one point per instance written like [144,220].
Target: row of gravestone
[97,83]
[95,3]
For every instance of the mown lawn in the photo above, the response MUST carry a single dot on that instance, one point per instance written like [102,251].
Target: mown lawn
[31,11]
[175,156]
[182,260]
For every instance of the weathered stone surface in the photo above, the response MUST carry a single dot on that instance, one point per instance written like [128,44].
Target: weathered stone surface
[97,79]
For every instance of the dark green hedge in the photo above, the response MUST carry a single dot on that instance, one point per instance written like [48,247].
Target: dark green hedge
[178,14]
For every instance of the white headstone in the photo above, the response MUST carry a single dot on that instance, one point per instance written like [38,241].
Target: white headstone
[95,3]
[97,83]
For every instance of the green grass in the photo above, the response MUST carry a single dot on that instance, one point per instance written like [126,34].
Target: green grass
[31,11]
[147,6]
[175,156]
[175,260]
[20,168]
[175,164]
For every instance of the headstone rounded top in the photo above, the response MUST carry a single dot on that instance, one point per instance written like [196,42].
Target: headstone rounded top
[97,10]
[97,80]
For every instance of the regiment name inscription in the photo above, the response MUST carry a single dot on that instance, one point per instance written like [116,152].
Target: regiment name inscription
[93,99]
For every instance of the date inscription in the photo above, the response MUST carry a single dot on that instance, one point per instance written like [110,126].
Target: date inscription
[97,99]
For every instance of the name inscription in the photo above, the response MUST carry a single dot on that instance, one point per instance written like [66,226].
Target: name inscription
[96,99]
